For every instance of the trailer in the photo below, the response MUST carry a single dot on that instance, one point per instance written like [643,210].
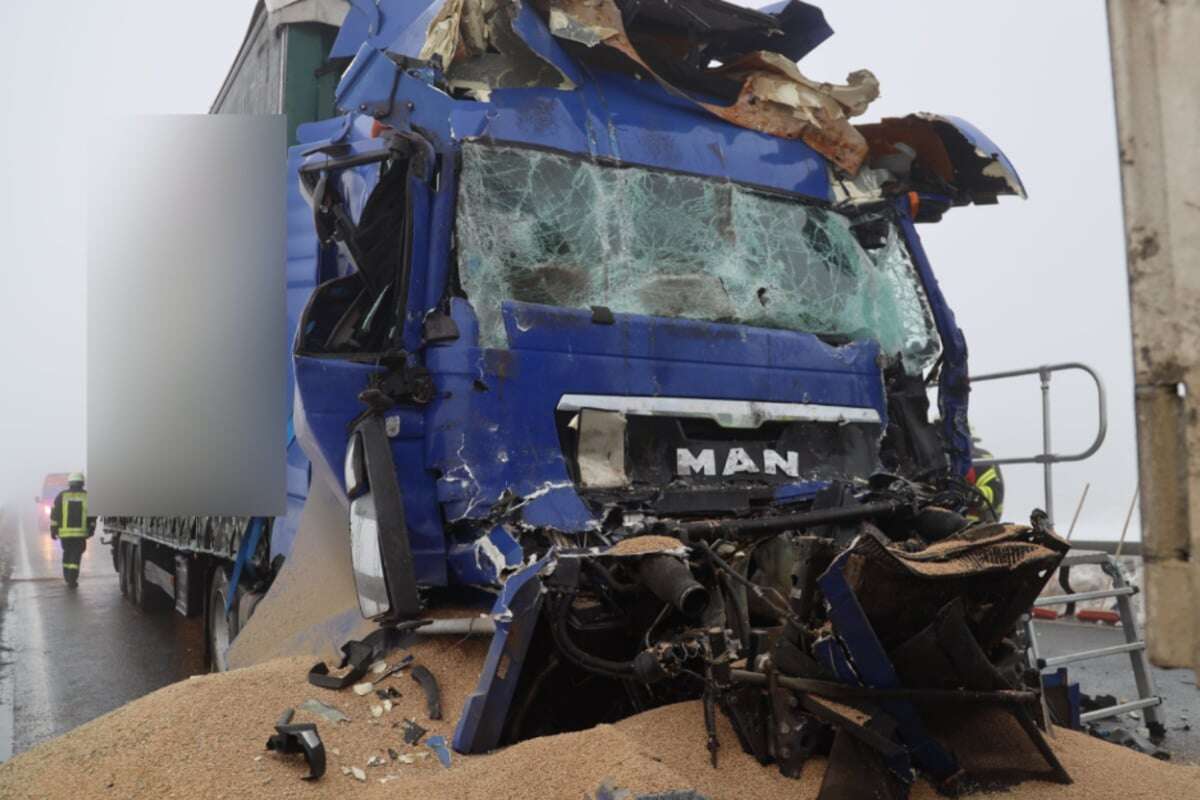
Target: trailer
[219,567]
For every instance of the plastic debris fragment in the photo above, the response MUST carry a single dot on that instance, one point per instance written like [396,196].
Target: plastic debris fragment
[438,745]
[324,710]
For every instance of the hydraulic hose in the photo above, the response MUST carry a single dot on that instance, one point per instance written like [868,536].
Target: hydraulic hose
[621,670]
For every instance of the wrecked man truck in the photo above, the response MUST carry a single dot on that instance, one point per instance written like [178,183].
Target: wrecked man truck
[616,329]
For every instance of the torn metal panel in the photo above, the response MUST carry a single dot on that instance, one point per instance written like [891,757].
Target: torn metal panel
[773,96]
[941,155]
[998,568]
[487,560]
[479,49]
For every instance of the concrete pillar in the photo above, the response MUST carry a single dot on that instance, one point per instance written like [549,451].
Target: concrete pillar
[1156,66]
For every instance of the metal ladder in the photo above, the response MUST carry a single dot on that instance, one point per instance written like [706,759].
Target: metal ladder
[1134,645]
[1122,590]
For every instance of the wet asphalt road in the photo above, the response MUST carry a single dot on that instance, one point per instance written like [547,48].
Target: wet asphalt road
[71,655]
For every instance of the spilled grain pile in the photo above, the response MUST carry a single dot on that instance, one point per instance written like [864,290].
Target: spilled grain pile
[205,738]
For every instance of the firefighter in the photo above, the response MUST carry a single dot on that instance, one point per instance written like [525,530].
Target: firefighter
[71,525]
[989,482]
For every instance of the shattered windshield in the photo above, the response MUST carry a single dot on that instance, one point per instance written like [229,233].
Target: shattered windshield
[545,228]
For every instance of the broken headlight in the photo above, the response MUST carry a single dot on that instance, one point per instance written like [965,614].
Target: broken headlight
[369,580]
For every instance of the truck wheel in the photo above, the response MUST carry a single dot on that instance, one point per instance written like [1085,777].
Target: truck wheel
[137,578]
[221,628]
[122,563]
[146,596]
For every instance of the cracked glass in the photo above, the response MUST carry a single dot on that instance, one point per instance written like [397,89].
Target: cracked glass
[540,227]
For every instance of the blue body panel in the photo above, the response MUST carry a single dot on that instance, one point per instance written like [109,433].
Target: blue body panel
[490,433]
[495,430]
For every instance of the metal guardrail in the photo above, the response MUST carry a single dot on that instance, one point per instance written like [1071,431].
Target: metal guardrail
[1134,646]
[1048,458]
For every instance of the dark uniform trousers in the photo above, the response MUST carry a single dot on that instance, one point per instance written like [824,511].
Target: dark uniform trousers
[72,554]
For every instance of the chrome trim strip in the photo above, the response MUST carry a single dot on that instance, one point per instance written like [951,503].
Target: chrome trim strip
[726,413]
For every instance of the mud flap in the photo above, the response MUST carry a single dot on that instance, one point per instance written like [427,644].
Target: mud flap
[312,606]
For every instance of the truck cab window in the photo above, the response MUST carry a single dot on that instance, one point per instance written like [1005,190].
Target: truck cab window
[539,227]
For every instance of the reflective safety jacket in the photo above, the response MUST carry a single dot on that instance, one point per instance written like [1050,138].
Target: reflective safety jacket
[990,483]
[70,515]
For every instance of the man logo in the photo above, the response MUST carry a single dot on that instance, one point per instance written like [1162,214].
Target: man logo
[737,462]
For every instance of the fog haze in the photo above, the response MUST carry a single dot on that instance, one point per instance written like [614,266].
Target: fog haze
[1031,281]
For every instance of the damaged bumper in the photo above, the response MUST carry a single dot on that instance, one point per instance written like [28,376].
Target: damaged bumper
[895,653]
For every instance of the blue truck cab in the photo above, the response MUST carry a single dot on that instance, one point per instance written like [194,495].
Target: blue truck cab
[584,277]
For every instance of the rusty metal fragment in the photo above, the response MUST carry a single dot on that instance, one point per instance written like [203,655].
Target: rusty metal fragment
[774,98]
[932,153]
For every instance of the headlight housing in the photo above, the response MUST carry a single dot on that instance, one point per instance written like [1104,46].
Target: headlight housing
[379,547]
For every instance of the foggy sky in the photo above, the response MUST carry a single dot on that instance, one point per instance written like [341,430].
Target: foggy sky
[1031,281]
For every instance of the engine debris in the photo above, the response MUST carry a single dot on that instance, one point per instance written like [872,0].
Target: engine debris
[878,628]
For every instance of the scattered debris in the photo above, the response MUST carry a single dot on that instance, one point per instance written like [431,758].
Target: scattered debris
[387,706]
[355,655]
[379,667]
[391,693]
[429,685]
[392,754]
[404,662]
[376,761]
[376,711]
[289,738]
[413,732]
[438,745]
[324,710]
[358,773]
[363,688]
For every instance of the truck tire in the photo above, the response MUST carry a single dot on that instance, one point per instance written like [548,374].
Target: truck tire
[137,578]
[220,628]
[122,563]
[145,596]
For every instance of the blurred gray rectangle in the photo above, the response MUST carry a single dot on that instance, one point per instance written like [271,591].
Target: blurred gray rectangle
[186,329]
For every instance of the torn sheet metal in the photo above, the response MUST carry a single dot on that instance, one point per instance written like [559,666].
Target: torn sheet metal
[480,50]
[745,57]
[774,97]
[997,568]
[941,155]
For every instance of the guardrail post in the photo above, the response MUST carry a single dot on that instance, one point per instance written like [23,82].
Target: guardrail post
[1047,449]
